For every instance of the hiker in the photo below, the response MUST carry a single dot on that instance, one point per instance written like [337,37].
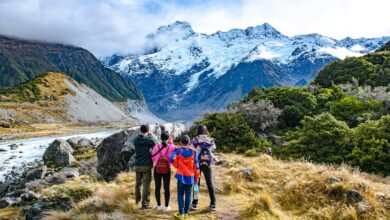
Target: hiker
[162,169]
[204,145]
[143,144]
[185,160]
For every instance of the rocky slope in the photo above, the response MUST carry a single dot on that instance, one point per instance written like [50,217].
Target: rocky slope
[55,97]
[23,60]
[184,73]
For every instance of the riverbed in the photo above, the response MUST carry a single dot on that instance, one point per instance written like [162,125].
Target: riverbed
[32,149]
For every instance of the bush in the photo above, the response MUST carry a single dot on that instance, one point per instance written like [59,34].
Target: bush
[261,115]
[372,146]
[321,138]
[353,110]
[231,132]
[294,102]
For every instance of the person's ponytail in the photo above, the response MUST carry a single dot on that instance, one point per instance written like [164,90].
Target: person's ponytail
[164,138]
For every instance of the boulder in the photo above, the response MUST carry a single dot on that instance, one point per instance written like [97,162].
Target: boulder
[115,152]
[4,124]
[8,202]
[3,188]
[59,153]
[79,142]
[35,173]
[3,150]
[74,142]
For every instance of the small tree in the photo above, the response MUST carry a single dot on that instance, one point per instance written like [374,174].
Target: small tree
[261,115]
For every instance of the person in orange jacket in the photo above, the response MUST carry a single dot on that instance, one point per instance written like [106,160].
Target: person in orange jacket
[185,160]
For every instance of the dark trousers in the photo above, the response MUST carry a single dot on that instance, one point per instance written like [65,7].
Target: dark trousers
[208,175]
[158,178]
[143,177]
[184,190]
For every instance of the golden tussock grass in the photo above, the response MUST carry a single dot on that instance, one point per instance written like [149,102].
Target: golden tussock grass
[273,189]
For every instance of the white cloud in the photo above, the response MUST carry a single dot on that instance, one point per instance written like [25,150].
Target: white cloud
[108,26]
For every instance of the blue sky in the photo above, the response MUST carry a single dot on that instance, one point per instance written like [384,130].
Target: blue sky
[109,26]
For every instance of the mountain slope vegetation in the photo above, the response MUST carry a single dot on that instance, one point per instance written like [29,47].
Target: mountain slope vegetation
[372,69]
[22,60]
[324,122]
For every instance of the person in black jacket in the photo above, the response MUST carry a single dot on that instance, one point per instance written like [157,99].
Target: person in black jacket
[143,144]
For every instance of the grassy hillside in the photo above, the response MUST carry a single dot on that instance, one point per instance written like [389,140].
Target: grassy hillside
[49,86]
[22,60]
[271,189]
[372,69]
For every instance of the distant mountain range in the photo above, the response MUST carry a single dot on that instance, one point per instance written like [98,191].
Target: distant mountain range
[184,73]
[23,60]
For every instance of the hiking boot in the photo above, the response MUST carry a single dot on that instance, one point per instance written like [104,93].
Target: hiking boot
[167,209]
[179,216]
[194,207]
[212,208]
[145,207]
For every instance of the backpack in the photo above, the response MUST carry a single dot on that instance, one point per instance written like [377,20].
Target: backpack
[162,164]
[205,157]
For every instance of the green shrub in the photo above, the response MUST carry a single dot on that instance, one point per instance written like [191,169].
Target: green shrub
[231,132]
[321,138]
[250,153]
[353,110]
[372,146]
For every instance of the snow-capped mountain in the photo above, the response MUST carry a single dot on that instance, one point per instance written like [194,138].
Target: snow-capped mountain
[184,73]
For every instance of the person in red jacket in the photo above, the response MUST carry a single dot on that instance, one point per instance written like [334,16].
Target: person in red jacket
[185,160]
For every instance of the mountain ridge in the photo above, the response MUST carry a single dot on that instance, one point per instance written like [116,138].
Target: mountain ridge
[22,60]
[187,67]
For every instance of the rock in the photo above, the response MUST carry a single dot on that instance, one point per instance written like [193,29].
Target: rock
[59,153]
[354,196]
[13,157]
[8,202]
[16,193]
[246,171]
[222,163]
[70,172]
[35,173]
[4,124]
[35,211]
[29,197]
[3,150]
[13,146]
[3,188]
[332,179]
[114,153]
[268,150]
[2,168]
[85,143]
[74,142]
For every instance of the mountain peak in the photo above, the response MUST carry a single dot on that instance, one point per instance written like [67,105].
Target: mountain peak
[177,30]
[263,30]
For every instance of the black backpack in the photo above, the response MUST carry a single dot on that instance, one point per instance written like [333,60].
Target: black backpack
[205,157]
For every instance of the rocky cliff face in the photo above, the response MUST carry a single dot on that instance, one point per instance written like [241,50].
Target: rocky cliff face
[184,73]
